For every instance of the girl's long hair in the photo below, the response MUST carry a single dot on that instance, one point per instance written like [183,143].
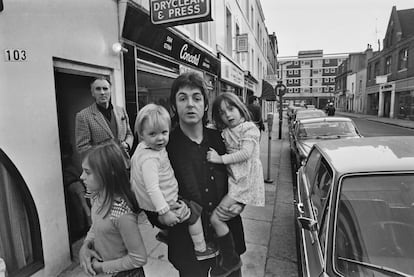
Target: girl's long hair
[107,162]
[232,100]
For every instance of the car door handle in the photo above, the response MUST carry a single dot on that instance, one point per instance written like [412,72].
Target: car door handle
[300,208]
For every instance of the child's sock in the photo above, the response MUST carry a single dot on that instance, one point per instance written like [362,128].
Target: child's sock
[199,242]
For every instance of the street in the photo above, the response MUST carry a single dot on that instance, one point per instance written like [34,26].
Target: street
[371,128]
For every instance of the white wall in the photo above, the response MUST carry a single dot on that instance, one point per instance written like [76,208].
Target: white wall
[75,31]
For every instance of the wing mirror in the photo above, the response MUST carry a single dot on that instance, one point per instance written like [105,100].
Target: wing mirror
[307,223]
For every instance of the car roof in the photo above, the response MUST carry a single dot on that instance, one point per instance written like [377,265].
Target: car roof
[309,111]
[325,119]
[369,154]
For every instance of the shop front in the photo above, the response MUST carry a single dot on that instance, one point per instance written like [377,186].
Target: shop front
[231,77]
[253,87]
[404,99]
[156,56]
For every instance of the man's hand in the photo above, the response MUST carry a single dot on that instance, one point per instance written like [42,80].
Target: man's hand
[97,265]
[213,157]
[226,214]
[86,255]
[168,219]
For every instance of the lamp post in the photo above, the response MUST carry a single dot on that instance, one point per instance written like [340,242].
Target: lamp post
[280,90]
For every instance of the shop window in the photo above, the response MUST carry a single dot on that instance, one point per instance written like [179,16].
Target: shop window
[154,88]
[402,59]
[20,240]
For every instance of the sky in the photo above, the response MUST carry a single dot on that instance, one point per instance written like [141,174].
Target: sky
[334,26]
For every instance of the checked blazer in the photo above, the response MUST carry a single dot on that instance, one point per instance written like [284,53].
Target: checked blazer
[92,128]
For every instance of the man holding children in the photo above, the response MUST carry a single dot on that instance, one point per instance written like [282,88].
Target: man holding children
[187,178]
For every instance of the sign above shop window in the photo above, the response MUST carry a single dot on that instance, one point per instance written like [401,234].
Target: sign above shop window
[230,72]
[179,12]
[138,28]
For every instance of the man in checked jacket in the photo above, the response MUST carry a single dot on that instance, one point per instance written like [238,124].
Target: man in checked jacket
[102,121]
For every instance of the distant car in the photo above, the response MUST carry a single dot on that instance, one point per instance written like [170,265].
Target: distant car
[355,208]
[310,106]
[305,113]
[309,131]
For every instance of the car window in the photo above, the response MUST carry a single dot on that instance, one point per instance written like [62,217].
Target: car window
[320,188]
[311,164]
[375,224]
[323,227]
[332,128]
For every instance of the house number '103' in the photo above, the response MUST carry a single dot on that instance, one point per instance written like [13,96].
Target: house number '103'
[15,55]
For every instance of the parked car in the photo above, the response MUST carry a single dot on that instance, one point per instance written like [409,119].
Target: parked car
[355,208]
[305,113]
[309,131]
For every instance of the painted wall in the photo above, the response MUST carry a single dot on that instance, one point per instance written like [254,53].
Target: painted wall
[77,32]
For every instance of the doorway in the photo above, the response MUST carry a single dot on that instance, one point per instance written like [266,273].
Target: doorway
[387,104]
[72,95]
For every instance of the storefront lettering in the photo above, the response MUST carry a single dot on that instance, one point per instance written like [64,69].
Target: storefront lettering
[184,55]
[176,8]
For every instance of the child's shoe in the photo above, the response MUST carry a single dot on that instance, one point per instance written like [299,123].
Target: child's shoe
[229,261]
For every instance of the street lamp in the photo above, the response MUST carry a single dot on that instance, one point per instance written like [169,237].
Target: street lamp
[280,90]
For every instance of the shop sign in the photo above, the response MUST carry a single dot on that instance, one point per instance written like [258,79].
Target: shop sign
[138,28]
[230,72]
[178,12]
[249,85]
[381,79]
[242,43]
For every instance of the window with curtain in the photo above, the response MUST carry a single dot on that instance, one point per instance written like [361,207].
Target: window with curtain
[20,241]
[402,59]
[387,69]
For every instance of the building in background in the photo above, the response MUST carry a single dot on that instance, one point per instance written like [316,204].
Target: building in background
[390,73]
[242,46]
[309,77]
[350,82]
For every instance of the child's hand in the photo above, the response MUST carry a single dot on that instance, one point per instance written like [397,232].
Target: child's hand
[169,219]
[213,157]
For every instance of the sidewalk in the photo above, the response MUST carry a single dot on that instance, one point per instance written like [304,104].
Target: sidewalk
[392,121]
[269,231]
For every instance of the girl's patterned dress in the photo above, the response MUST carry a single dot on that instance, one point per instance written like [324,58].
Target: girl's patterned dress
[246,184]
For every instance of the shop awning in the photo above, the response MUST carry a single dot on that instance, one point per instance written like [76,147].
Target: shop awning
[268,92]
